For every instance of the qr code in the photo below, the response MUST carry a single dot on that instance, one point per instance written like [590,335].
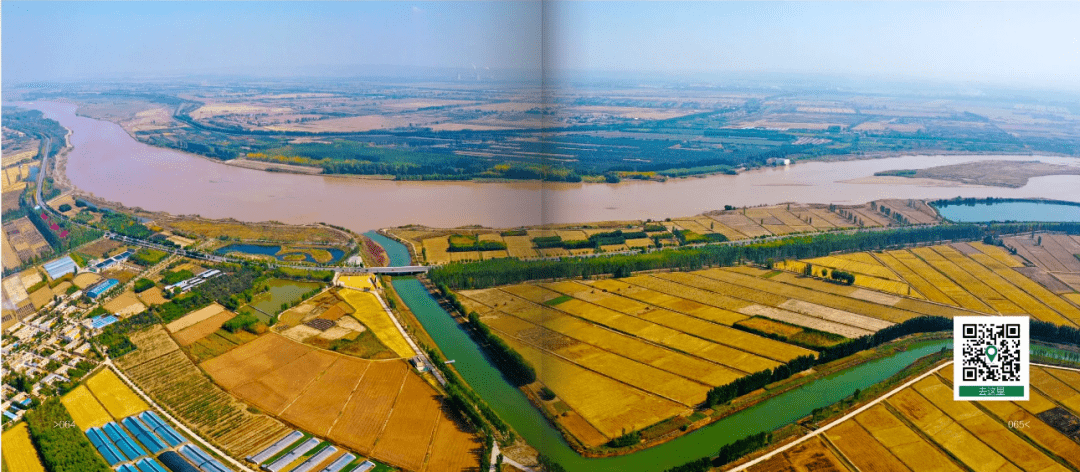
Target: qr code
[991,352]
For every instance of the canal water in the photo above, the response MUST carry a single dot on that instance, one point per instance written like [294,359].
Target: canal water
[515,408]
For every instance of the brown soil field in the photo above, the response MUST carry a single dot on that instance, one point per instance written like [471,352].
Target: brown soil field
[193,333]
[100,248]
[411,425]
[363,417]
[862,449]
[85,279]
[124,305]
[41,297]
[252,360]
[152,296]
[810,456]
[318,408]
[276,389]
[378,408]
[454,448]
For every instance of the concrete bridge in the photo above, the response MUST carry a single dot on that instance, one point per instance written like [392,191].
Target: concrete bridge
[402,270]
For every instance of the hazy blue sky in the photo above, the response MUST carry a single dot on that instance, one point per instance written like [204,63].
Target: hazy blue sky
[1036,43]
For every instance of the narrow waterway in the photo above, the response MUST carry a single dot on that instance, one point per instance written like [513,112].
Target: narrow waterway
[515,408]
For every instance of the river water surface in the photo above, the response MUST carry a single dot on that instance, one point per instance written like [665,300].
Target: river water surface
[112,165]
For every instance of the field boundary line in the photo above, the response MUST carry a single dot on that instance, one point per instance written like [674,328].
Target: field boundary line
[1056,366]
[346,405]
[841,419]
[130,384]
[386,421]
[306,387]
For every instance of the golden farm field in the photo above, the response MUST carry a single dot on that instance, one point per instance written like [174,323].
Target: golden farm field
[642,336]
[85,409]
[370,312]
[19,452]
[970,276]
[921,428]
[116,397]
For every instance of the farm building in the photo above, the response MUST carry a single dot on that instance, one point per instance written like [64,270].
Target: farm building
[61,267]
[189,284]
[101,287]
[105,264]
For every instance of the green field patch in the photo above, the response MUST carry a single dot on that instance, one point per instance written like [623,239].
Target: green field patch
[558,300]
[797,335]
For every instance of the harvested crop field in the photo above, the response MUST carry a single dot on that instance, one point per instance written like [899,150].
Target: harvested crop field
[114,395]
[454,448]
[189,335]
[124,305]
[971,276]
[161,370]
[86,279]
[921,428]
[410,425]
[195,317]
[152,296]
[638,337]
[377,408]
[809,456]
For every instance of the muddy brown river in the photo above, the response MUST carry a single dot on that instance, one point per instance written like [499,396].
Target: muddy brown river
[110,164]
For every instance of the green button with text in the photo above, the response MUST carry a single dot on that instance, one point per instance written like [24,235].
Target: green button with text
[991,391]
